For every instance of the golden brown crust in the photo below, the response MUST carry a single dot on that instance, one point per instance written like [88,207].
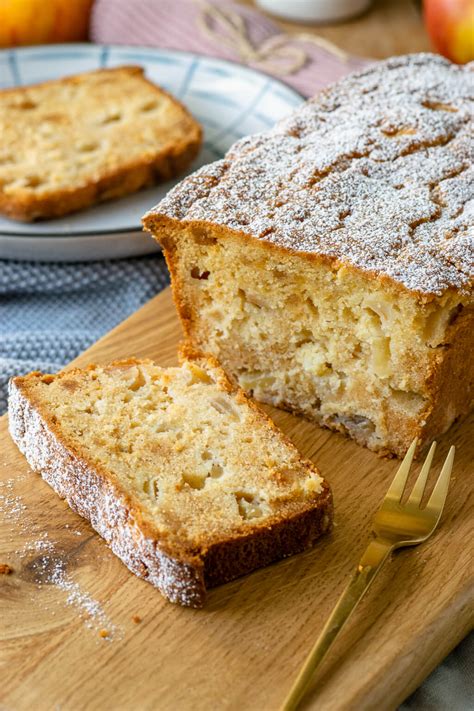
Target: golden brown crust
[448,387]
[266,545]
[451,380]
[124,181]
[169,158]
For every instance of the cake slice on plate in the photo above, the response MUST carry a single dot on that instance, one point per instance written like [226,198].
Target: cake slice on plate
[186,479]
[73,142]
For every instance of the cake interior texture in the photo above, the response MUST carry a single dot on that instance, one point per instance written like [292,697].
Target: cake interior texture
[198,463]
[325,342]
[328,262]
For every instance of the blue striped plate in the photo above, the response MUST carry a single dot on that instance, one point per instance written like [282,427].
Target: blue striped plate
[229,100]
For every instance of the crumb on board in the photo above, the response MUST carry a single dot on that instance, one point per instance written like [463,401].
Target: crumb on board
[104,634]
[5,569]
[137,619]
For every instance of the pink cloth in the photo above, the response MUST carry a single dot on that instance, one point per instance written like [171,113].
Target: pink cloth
[222,29]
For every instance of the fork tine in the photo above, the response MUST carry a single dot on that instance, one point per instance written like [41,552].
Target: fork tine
[439,493]
[417,493]
[398,484]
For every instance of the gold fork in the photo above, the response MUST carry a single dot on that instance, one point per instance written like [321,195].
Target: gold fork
[395,525]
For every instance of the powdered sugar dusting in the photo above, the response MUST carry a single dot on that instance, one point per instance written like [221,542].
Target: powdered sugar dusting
[81,600]
[375,171]
[50,569]
[46,562]
[11,506]
[41,543]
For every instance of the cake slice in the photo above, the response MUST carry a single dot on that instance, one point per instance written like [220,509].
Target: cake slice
[328,263]
[73,142]
[185,478]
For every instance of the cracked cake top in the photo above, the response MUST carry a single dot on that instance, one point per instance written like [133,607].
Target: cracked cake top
[375,171]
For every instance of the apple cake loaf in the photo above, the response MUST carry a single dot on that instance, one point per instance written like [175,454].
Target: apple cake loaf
[328,262]
[186,479]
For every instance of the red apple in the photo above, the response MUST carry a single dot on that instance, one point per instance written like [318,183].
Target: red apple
[450,24]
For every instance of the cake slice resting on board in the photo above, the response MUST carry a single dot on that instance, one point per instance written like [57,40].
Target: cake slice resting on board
[188,481]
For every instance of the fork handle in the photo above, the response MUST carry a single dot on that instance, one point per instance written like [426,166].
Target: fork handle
[370,564]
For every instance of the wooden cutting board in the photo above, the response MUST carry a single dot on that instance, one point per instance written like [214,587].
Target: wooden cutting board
[243,649]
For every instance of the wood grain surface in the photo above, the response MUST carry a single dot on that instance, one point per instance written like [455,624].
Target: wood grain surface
[244,648]
[388,27]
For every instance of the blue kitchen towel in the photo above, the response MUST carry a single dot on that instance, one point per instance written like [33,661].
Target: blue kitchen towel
[450,687]
[51,312]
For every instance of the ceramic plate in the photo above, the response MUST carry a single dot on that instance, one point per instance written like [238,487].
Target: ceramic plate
[229,100]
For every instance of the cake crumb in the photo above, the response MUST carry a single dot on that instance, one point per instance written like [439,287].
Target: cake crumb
[104,634]
[136,619]
[5,569]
